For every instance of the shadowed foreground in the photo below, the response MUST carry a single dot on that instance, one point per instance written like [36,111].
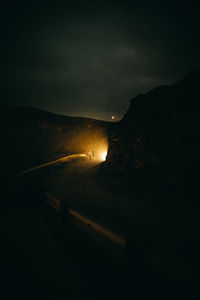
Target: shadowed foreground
[46,255]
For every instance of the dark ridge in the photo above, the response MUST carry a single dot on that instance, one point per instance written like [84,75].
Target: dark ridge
[31,136]
[158,139]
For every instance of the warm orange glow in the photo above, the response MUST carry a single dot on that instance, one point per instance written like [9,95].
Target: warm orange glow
[103,155]
[113,117]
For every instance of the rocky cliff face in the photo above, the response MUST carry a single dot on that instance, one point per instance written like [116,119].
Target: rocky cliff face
[158,140]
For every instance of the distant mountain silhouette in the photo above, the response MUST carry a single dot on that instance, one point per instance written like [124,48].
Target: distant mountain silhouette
[32,136]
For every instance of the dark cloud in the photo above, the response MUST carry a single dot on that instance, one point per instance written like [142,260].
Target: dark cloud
[89,58]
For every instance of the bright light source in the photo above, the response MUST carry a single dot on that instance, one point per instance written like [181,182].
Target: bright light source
[113,117]
[103,155]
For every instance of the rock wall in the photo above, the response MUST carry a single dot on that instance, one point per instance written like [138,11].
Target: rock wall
[158,139]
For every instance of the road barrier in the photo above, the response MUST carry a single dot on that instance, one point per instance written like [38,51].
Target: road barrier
[98,232]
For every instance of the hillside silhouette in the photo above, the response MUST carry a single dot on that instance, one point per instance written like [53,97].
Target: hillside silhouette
[157,142]
[32,136]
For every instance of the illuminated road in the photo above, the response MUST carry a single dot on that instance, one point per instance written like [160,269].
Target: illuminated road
[45,252]
[51,163]
[97,228]
[97,231]
[47,256]
[75,185]
[91,199]
[78,186]
[107,216]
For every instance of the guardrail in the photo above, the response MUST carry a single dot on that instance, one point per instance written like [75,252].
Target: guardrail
[100,233]
[136,252]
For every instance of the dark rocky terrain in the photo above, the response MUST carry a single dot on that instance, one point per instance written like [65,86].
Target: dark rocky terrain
[156,145]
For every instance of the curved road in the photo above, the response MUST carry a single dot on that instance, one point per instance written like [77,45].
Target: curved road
[97,228]
[44,257]
[54,162]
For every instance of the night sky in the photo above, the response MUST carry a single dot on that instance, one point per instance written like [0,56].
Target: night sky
[89,58]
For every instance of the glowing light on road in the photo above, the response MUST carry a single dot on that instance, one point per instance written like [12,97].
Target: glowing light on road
[113,117]
[103,155]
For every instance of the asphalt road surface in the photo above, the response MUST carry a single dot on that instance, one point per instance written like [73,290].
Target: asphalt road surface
[46,254]
[43,256]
